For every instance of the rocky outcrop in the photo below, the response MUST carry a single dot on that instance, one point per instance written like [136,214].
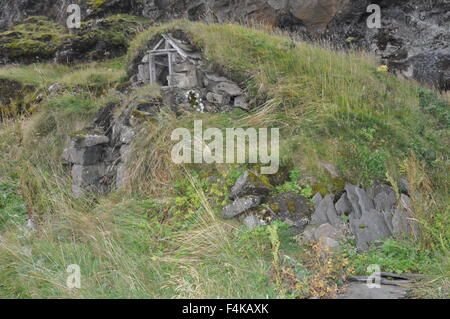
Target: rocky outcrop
[366,215]
[99,39]
[372,215]
[327,235]
[15,11]
[39,39]
[413,40]
[326,212]
[291,208]
[251,190]
[99,155]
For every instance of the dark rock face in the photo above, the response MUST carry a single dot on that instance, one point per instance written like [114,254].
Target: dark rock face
[413,39]
[432,68]
[98,40]
[15,11]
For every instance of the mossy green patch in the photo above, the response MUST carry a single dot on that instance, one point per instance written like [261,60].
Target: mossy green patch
[36,38]
[39,39]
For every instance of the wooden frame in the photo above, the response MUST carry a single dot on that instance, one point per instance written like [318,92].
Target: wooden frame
[170,48]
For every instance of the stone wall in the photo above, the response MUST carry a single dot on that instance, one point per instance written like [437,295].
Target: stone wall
[99,155]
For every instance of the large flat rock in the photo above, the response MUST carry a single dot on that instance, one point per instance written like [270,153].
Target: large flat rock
[357,290]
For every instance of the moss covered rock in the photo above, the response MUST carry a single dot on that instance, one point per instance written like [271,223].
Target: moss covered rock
[290,208]
[40,39]
[251,183]
[34,40]
[100,39]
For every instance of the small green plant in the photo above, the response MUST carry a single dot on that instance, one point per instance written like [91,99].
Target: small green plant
[293,186]
[392,256]
[188,200]
[12,207]
[275,241]
[436,106]
[365,157]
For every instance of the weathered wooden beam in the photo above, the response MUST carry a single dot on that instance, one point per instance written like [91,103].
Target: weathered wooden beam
[177,48]
[159,44]
[165,51]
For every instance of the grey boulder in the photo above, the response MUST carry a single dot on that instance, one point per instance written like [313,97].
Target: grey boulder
[326,212]
[252,221]
[89,140]
[328,231]
[369,228]
[83,156]
[343,206]
[359,200]
[240,206]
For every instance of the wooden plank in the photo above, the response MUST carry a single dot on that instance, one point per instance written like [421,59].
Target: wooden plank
[163,51]
[170,70]
[150,68]
[159,44]
[176,47]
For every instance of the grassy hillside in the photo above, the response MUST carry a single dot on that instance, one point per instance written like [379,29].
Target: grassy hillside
[162,235]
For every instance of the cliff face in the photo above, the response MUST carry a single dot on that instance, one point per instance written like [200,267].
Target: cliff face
[414,38]
[14,11]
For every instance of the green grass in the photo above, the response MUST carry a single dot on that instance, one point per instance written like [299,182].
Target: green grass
[162,236]
[44,75]
[405,257]
[12,208]
[89,79]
